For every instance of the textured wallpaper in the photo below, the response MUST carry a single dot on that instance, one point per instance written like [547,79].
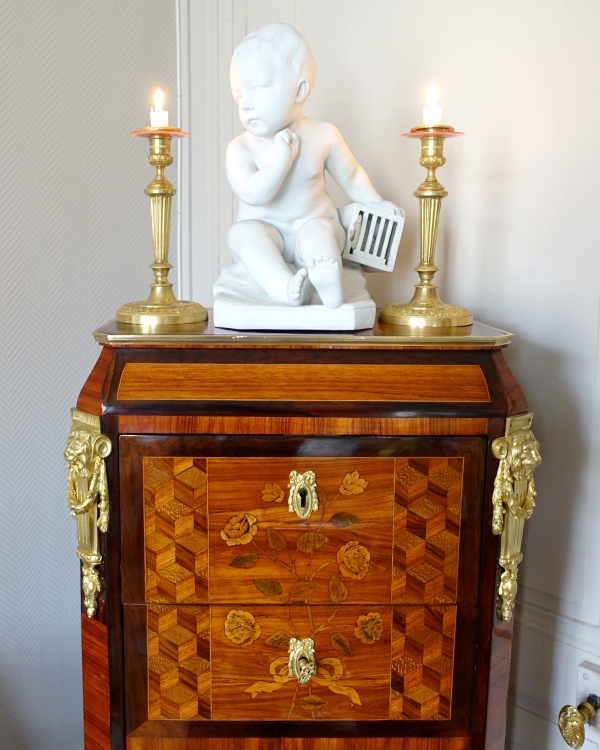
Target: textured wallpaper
[75,77]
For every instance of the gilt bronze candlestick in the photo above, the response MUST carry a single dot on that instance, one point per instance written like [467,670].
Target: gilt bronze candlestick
[161,307]
[426,310]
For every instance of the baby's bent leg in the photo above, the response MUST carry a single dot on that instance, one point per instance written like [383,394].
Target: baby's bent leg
[258,246]
[318,245]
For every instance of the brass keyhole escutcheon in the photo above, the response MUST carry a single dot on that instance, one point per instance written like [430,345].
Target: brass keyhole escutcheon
[302,664]
[572,721]
[303,495]
[303,500]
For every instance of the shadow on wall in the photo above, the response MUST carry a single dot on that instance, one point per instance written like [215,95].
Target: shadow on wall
[12,720]
[550,534]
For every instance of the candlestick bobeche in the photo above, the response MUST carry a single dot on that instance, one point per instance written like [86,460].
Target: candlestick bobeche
[425,309]
[161,307]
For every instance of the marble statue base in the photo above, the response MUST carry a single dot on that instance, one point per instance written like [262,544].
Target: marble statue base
[241,304]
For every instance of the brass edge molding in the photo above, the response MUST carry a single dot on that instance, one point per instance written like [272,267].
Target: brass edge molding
[377,342]
[513,500]
[87,494]
[107,336]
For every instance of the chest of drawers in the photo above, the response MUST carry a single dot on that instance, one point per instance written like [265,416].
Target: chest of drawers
[267,493]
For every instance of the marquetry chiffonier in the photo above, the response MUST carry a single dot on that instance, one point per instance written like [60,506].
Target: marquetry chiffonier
[299,541]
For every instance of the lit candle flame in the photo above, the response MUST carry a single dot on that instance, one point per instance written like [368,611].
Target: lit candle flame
[432,96]
[158,101]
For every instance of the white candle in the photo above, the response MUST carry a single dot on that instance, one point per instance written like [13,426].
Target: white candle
[432,114]
[158,117]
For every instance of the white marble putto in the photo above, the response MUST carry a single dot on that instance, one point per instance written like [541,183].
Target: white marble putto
[287,241]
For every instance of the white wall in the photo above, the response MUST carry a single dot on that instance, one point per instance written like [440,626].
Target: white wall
[519,238]
[75,78]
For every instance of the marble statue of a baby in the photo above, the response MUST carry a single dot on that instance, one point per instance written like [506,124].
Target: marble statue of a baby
[288,235]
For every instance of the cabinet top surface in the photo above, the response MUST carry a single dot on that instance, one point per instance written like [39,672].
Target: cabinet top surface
[381,336]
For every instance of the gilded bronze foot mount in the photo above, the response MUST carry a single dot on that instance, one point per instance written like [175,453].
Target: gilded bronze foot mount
[425,309]
[162,307]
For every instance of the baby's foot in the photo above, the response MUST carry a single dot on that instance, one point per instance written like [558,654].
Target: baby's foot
[327,279]
[298,288]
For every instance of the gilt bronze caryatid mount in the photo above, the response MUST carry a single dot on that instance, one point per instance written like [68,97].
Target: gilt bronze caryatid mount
[514,501]
[87,493]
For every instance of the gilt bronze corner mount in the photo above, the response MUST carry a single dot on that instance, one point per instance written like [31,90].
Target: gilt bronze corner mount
[514,501]
[87,493]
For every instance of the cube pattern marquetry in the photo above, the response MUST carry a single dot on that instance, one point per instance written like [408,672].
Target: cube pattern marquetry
[176,538]
[427,511]
[179,663]
[422,662]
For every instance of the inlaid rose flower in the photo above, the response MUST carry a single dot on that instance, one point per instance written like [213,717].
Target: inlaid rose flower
[369,628]
[241,628]
[353,560]
[239,529]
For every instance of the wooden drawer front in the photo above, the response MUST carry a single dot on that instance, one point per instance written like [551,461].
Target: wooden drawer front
[181,381]
[225,664]
[260,552]
[250,657]
[427,515]
[176,530]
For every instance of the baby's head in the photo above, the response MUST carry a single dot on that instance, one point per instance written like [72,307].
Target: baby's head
[272,74]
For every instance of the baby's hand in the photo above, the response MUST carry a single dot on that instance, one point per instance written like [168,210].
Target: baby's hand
[386,206]
[286,144]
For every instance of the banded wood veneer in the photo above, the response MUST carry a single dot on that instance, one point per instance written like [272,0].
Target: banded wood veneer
[218,425]
[176,381]
[301,743]
[90,398]
[96,708]
[502,636]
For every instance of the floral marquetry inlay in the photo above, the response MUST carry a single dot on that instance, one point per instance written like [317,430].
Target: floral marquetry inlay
[340,553]
[239,529]
[369,628]
[353,560]
[251,677]
[241,628]
[369,579]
